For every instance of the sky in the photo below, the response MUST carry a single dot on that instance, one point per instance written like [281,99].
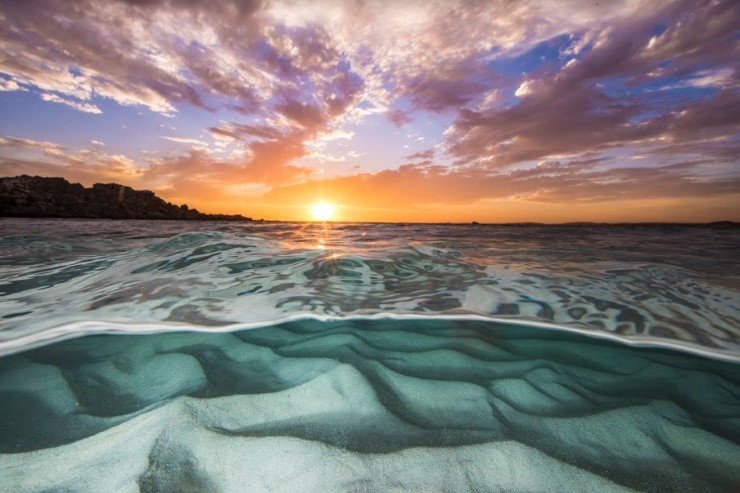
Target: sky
[496,111]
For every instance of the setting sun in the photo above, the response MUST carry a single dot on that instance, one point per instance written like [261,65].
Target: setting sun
[449,219]
[322,211]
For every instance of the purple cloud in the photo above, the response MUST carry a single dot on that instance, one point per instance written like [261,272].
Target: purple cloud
[629,93]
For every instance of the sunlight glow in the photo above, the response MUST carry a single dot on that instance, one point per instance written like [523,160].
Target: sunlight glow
[322,211]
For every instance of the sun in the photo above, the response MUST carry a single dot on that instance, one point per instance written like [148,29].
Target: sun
[322,211]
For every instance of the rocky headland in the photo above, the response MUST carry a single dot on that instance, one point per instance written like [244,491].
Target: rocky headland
[36,196]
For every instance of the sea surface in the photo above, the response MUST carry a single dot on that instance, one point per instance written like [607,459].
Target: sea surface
[225,356]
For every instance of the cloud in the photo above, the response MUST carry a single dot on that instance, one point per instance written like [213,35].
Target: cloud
[7,85]
[586,180]
[596,103]
[524,89]
[717,78]
[86,165]
[184,140]
[78,105]
[425,155]
[290,79]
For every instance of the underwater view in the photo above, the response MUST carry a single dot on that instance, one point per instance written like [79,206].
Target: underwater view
[181,356]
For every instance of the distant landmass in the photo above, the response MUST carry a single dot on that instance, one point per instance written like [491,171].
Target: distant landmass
[36,196]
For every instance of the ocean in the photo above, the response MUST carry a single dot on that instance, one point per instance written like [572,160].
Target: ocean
[225,356]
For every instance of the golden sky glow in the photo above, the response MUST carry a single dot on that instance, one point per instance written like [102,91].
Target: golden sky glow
[390,111]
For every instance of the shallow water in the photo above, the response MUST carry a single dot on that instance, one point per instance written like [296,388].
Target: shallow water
[377,405]
[670,284]
[439,357]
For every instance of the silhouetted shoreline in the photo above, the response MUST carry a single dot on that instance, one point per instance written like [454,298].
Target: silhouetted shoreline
[42,197]
[56,198]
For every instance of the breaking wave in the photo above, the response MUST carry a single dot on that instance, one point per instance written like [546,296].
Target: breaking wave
[678,286]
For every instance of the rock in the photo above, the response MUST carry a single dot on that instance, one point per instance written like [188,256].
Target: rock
[36,196]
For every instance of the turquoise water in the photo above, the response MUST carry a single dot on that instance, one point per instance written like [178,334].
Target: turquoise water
[162,356]
[369,406]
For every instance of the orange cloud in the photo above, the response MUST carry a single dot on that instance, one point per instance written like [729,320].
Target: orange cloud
[289,76]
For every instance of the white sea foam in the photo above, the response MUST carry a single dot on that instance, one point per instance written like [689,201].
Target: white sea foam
[94,327]
[675,288]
